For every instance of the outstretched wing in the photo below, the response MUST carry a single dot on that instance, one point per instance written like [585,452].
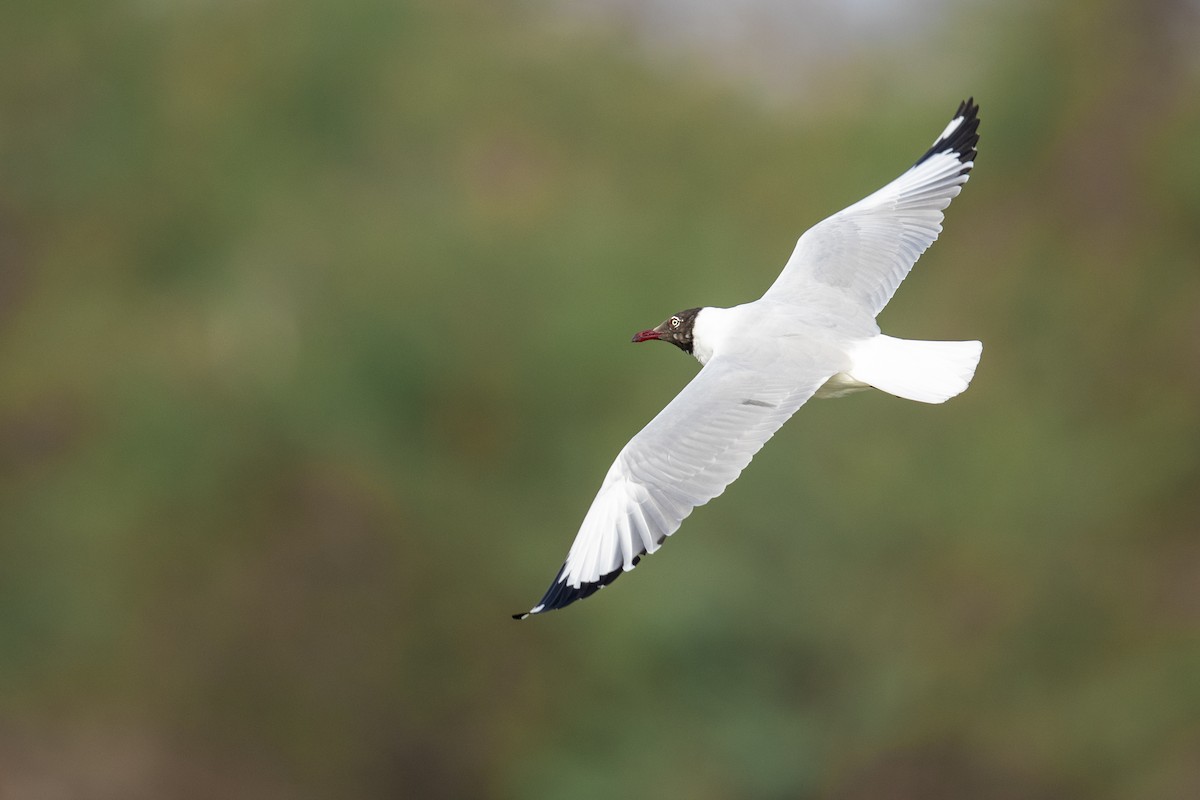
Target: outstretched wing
[863,252]
[683,458]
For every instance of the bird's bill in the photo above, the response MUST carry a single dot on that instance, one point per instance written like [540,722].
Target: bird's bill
[645,336]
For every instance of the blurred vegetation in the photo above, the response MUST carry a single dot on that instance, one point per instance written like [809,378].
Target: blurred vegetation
[314,327]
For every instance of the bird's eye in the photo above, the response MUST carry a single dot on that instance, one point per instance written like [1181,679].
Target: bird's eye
[674,322]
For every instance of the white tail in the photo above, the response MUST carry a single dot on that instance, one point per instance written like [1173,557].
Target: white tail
[929,372]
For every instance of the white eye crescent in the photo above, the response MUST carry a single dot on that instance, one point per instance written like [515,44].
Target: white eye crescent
[674,322]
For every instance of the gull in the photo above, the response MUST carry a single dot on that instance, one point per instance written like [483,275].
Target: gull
[812,334]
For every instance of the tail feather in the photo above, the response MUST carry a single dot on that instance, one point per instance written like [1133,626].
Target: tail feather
[929,372]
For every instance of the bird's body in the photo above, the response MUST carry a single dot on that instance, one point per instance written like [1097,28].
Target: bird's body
[813,333]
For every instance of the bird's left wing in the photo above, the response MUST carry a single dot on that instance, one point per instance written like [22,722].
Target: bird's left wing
[861,254]
[683,458]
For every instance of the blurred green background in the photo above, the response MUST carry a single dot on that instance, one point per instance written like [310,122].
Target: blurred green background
[314,347]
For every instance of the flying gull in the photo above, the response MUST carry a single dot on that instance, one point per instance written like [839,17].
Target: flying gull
[813,334]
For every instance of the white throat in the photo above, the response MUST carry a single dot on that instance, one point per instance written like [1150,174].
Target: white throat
[708,332]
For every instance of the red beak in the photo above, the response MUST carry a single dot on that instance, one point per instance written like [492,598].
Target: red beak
[645,336]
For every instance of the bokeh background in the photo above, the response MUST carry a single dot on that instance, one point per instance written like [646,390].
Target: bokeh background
[314,347]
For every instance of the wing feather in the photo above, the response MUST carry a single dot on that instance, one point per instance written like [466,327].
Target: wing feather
[683,458]
[861,254]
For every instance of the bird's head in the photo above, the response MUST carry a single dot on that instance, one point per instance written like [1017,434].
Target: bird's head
[676,329]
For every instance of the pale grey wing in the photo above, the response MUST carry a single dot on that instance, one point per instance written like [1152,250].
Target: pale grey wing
[863,252]
[683,458]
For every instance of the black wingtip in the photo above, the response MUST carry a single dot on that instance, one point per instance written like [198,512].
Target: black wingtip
[963,138]
[560,595]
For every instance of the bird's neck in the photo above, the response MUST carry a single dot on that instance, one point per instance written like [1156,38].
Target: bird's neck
[708,331]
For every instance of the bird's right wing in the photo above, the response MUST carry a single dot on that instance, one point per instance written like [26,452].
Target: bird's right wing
[861,254]
[683,458]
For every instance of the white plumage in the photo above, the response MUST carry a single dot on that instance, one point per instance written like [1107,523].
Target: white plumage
[812,333]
